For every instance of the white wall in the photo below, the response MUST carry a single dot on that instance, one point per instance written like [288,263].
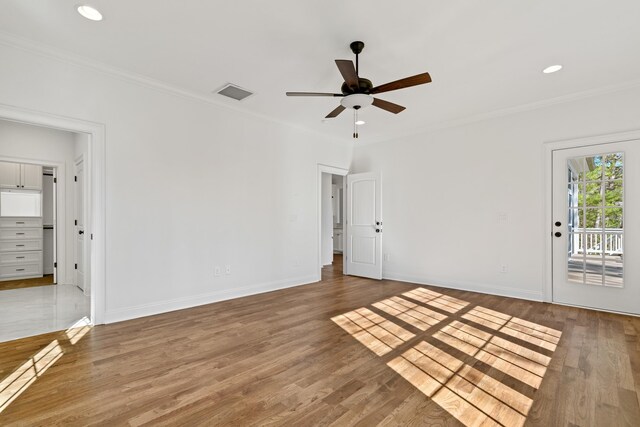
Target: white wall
[443,193]
[190,185]
[28,142]
[327,220]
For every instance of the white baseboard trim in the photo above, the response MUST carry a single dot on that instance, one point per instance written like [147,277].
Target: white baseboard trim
[468,286]
[143,310]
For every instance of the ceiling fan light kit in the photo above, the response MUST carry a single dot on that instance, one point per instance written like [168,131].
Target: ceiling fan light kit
[357,92]
[357,101]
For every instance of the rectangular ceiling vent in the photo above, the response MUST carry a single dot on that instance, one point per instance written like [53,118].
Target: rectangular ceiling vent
[234,92]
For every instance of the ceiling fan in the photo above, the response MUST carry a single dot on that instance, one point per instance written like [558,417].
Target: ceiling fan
[357,92]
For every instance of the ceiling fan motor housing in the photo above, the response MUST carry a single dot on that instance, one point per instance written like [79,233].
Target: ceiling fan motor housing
[364,86]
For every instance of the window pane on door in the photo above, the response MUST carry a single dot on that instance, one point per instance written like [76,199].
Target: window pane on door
[595,219]
[575,260]
[613,193]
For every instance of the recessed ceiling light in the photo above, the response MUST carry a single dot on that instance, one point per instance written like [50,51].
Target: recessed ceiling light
[89,12]
[360,122]
[552,69]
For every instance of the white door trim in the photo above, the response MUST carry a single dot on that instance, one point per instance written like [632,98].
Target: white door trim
[96,163]
[334,171]
[547,182]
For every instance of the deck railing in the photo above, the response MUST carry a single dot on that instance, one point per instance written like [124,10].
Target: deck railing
[596,240]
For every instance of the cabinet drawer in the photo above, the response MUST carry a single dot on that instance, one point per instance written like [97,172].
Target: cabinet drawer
[20,258]
[20,222]
[32,269]
[20,233]
[20,245]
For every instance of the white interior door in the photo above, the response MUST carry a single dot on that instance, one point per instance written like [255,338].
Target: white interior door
[80,255]
[55,225]
[364,226]
[596,203]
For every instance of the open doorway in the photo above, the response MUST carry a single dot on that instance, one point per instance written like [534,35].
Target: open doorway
[39,290]
[332,224]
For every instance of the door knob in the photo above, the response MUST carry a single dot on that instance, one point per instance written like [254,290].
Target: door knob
[81,232]
[378,230]
[557,234]
[558,224]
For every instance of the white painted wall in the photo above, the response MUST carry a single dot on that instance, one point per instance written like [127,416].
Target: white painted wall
[327,220]
[444,191]
[21,141]
[190,185]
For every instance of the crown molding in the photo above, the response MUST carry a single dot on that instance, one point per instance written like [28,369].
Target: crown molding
[509,111]
[66,57]
[60,55]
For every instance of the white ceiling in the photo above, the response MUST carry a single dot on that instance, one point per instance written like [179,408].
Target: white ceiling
[482,55]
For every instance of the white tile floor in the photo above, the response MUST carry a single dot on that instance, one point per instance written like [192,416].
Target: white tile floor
[41,309]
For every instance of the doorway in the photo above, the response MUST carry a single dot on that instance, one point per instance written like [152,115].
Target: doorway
[594,189]
[331,214]
[95,166]
[38,209]
[332,225]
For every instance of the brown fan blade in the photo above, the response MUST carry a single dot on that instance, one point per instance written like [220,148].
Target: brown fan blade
[348,71]
[339,109]
[419,79]
[313,94]
[388,106]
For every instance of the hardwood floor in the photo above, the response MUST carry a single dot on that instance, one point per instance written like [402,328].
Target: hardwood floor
[26,283]
[345,351]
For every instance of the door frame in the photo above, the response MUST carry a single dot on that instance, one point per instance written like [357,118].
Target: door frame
[547,154]
[333,170]
[95,171]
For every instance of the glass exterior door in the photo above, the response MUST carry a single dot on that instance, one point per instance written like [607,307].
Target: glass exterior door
[594,189]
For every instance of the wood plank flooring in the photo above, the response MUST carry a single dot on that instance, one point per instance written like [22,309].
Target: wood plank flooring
[345,351]
[26,283]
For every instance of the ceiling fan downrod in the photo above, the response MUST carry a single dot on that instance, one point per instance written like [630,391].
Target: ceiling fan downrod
[356,48]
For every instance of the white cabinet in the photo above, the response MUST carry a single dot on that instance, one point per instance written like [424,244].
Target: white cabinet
[31,177]
[21,223]
[9,175]
[18,175]
[20,248]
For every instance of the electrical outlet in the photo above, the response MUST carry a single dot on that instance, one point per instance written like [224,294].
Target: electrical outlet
[227,269]
[504,268]
[216,270]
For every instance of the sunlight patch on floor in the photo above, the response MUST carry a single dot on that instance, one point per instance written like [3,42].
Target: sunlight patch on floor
[78,330]
[473,397]
[438,300]
[15,384]
[374,331]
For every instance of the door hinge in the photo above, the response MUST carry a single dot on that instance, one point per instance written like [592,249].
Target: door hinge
[55,265]
[75,178]
[55,180]
[76,267]
[75,221]
[91,236]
